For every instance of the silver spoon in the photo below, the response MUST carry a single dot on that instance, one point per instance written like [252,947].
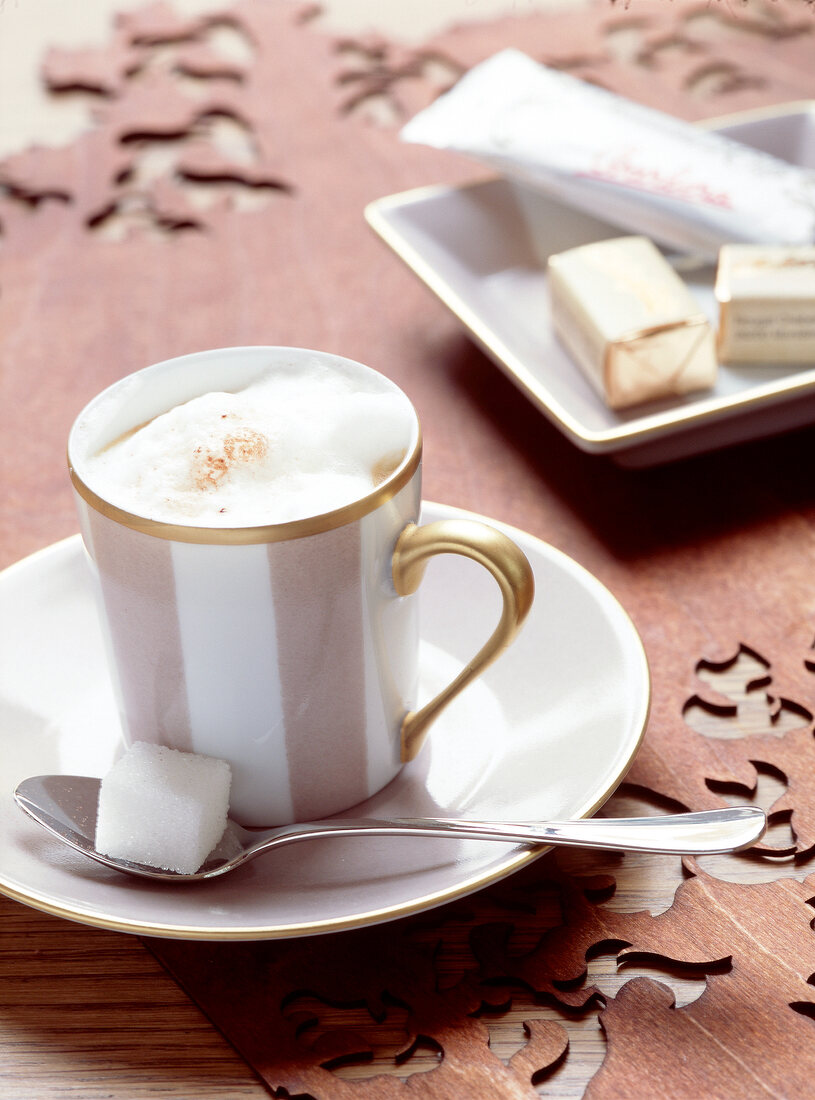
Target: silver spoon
[66,806]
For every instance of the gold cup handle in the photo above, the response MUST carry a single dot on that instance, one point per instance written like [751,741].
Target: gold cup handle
[507,563]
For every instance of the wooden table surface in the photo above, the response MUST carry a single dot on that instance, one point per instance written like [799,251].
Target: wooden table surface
[218,201]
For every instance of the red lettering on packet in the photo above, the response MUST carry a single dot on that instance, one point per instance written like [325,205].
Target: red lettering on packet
[622,168]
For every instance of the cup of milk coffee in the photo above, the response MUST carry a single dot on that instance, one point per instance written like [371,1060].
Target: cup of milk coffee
[251,516]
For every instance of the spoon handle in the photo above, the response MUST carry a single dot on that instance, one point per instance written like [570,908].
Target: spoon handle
[703,833]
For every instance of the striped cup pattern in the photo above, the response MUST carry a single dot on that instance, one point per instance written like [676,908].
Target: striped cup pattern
[286,652]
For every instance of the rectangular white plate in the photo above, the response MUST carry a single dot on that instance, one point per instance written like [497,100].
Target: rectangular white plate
[483,250]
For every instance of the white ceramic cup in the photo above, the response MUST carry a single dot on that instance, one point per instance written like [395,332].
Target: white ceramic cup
[291,649]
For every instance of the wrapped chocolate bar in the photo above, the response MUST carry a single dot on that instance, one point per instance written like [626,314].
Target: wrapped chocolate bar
[633,166]
[766,301]
[630,322]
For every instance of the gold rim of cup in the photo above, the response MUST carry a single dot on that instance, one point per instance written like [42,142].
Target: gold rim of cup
[384,491]
[273,532]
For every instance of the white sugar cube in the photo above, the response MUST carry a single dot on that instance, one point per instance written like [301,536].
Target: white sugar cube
[162,807]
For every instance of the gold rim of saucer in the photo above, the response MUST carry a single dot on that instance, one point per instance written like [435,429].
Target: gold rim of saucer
[273,532]
[49,900]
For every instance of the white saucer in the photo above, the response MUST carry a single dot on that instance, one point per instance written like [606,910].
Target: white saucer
[548,732]
[483,251]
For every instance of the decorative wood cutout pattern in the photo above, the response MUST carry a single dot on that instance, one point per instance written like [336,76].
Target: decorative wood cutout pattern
[217,200]
[506,993]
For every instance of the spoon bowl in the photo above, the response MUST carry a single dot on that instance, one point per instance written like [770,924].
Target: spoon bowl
[65,805]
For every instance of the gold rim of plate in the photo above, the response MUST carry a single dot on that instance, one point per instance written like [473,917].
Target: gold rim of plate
[648,428]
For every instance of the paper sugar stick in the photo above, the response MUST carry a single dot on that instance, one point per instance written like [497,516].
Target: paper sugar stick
[630,165]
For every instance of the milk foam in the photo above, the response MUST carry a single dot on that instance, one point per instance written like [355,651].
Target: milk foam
[295,443]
